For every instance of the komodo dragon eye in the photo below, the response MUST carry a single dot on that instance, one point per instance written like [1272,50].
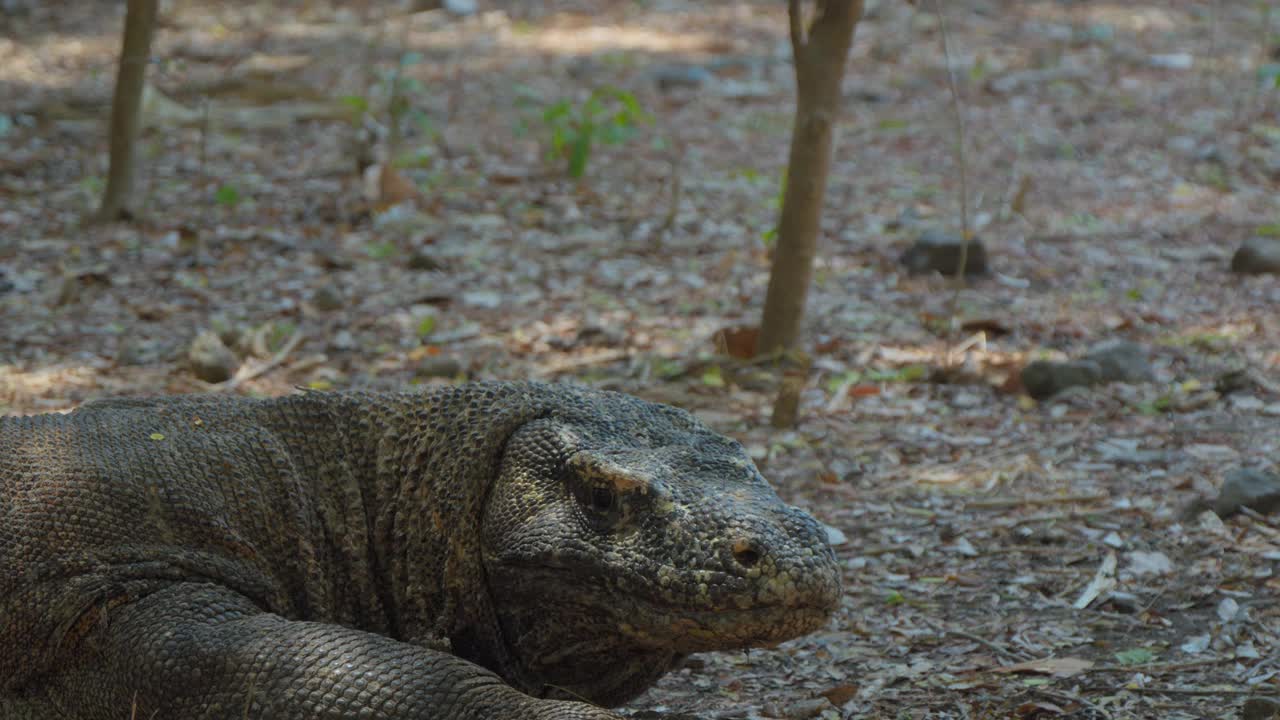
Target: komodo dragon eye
[602,499]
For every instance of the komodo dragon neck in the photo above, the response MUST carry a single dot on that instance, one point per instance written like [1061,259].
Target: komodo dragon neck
[424,464]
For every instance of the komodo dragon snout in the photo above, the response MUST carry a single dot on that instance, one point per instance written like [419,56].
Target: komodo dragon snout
[616,544]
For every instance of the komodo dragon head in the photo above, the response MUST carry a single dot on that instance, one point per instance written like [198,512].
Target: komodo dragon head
[622,535]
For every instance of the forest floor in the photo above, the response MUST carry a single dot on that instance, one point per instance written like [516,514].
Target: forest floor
[1004,557]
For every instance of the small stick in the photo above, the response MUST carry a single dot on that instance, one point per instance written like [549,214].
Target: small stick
[993,647]
[1159,667]
[1193,691]
[245,373]
[997,503]
[1070,697]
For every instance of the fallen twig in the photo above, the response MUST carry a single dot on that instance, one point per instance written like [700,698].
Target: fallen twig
[248,372]
[998,503]
[1156,668]
[579,362]
[988,644]
[1196,691]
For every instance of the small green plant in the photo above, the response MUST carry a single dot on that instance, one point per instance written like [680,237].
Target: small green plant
[227,196]
[770,236]
[609,115]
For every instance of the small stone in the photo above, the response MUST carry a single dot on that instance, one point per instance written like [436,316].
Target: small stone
[1044,378]
[1257,256]
[461,8]
[835,537]
[421,260]
[1120,361]
[135,352]
[1143,563]
[682,77]
[1124,602]
[210,359]
[1172,61]
[1259,708]
[804,709]
[1244,487]
[482,299]
[438,366]
[937,251]
[343,341]
[328,299]
[599,335]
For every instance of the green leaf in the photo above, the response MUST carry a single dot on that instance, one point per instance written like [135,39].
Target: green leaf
[157,436]
[1136,656]
[1269,230]
[668,369]
[227,196]
[910,373]
[426,325]
[579,153]
[893,597]
[382,250]
[835,382]
[358,103]
[555,111]
[711,377]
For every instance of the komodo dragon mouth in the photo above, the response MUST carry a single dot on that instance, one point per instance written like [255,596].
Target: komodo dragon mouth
[656,621]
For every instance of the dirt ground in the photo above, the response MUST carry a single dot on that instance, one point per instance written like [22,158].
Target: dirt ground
[1004,557]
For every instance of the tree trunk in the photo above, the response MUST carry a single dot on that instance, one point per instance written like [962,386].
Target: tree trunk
[126,107]
[819,62]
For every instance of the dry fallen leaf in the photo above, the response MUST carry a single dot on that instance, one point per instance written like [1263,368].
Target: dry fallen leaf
[1057,667]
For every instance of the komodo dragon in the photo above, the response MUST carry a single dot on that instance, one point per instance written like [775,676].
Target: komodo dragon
[489,551]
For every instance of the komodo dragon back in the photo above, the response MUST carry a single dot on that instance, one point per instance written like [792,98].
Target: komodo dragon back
[488,550]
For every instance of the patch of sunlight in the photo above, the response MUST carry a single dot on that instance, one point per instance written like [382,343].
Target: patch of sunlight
[54,60]
[1214,338]
[42,389]
[979,475]
[1127,17]
[1124,16]
[587,40]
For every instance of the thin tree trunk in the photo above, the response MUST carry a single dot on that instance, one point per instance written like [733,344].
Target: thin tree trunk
[126,107]
[819,63]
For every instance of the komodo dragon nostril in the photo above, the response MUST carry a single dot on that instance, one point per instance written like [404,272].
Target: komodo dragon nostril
[745,552]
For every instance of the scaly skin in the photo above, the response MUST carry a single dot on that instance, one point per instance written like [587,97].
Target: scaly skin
[492,550]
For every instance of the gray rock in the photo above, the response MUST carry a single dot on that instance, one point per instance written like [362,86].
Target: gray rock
[1124,602]
[1258,255]
[937,251]
[1120,361]
[1260,708]
[422,260]
[328,299]
[682,77]
[461,8]
[1045,378]
[210,359]
[1259,491]
[439,366]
